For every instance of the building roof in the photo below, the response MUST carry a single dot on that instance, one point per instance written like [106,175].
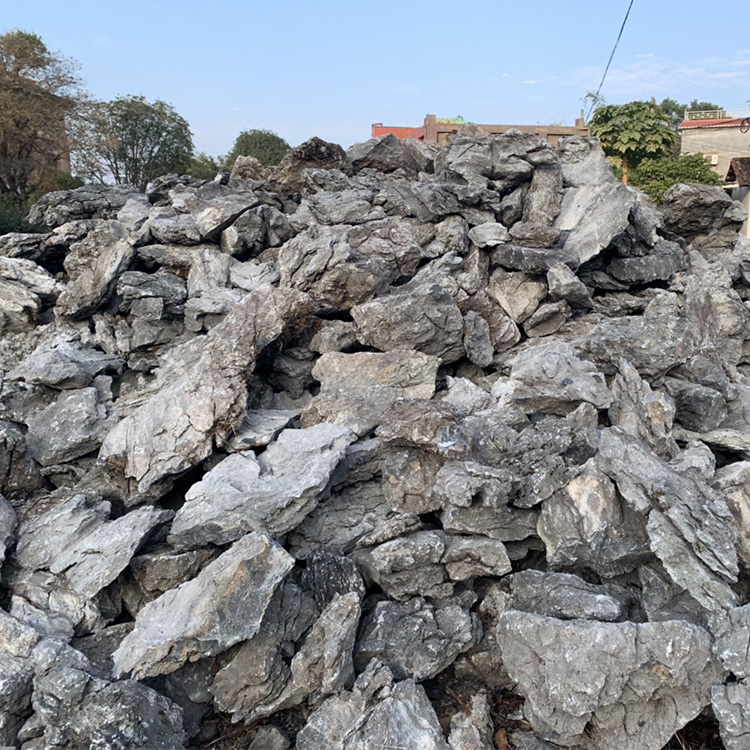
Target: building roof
[739,171]
[402,133]
[725,122]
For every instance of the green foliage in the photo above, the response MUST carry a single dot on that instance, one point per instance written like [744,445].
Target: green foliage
[132,141]
[13,210]
[632,132]
[265,145]
[204,167]
[675,111]
[40,102]
[656,176]
[702,106]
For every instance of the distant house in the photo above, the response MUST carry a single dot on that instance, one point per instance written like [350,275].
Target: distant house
[718,135]
[738,178]
[440,129]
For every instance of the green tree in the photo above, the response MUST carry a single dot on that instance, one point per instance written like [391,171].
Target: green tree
[656,176]
[265,145]
[40,97]
[203,166]
[702,106]
[632,132]
[676,111]
[132,141]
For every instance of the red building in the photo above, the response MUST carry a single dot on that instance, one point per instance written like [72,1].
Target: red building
[440,129]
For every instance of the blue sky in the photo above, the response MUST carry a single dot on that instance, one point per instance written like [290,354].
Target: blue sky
[331,68]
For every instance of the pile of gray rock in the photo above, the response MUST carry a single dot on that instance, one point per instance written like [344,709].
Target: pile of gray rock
[417,447]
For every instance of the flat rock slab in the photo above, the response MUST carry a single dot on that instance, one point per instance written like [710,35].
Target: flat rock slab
[221,606]
[272,493]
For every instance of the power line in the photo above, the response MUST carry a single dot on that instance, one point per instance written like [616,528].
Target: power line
[609,62]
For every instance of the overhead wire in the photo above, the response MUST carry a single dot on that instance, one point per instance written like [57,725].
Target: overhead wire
[609,62]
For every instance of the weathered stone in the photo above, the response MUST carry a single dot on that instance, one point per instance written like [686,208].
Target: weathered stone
[214,207]
[408,566]
[489,235]
[77,707]
[698,408]
[467,557]
[175,428]
[640,411]
[75,538]
[689,525]
[730,706]
[505,524]
[704,215]
[221,606]
[547,319]
[586,524]
[313,154]
[65,363]
[356,389]
[89,202]
[564,596]
[17,643]
[733,481]
[30,276]
[386,154]
[730,701]
[426,319]
[327,576]
[351,516]
[564,284]
[583,162]
[415,639]
[269,737]
[322,666]
[71,427]
[532,259]
[376,713]
[627,685]
[653,343]
[666,259]
[260,427]
[342,266]
[19,473]
[550,378]
[529,234]
[714,309]
[472,729]
[93,265]
[517,293]
[593,215]
[272,493]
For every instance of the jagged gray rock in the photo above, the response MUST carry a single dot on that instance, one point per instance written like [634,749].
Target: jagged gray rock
[602,685]
[75,706]
[376,713]
[89,202]
[425,319]
[355,389]
[175,428]
[415,639]
[93,265]
[551,378]
[565,596]
[221,606]
[272,493]
[689,524]
[586,524]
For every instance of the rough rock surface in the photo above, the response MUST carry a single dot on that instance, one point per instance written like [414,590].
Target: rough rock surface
[416,446]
